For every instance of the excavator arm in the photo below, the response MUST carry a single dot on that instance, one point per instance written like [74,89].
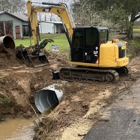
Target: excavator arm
[58,9]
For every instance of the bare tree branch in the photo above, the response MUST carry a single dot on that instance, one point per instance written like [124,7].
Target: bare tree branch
[12,6]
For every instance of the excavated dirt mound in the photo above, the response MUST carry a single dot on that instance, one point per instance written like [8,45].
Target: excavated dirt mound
[8,60]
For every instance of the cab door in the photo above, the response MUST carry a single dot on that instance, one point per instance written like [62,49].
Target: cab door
[91,47]
[77,47]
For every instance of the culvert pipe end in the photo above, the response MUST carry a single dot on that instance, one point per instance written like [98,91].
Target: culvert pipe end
[47,97]
[7,41]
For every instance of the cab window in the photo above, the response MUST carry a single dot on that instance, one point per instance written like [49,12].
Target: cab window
[91,37]
[78,40]
[103,36]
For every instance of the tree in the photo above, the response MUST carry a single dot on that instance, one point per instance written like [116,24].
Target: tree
[12,6]
[122,12]
[84,14]
[127,12]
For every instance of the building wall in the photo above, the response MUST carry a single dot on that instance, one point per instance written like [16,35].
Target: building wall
[46,27]
[16,22]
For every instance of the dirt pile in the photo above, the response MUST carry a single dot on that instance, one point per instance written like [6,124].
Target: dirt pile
[9,59]
[57,58]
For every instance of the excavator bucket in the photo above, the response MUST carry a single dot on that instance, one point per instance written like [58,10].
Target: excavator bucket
[38,60]
[34,56]
[6,42]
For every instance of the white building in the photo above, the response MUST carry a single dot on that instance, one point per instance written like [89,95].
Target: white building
[51,27]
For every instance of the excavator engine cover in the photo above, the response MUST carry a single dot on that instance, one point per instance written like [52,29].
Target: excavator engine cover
[5,43]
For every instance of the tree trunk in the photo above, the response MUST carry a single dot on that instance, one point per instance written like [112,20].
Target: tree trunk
[130,31]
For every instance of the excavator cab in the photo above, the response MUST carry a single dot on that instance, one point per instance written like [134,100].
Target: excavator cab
[86,43]
[90,47]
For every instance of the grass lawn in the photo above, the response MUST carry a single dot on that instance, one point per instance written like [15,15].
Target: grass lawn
[136,30]
[59,39]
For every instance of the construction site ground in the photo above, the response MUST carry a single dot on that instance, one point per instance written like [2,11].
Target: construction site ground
[81,107]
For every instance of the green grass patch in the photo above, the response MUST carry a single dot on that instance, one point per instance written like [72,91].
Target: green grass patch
[133,48]
[136,30]
[59,39]
[5,100]
[129,55]
[5,104]
[134,43]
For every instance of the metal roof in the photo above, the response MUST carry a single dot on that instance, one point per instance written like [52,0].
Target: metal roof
[24,17]
[20,16]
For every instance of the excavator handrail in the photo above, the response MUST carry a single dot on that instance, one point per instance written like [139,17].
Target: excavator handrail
[59,9]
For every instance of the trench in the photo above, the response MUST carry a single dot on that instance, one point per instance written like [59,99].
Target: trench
[17,129]
[23,129]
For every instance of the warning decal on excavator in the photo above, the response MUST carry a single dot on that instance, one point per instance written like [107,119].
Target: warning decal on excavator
[123,47]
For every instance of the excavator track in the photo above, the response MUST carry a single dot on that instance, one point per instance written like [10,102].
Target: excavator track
[88,74]
[123,70]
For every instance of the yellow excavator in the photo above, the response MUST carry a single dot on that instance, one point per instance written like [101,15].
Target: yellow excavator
[93,56]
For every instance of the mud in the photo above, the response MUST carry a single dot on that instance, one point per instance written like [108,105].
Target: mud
[13,129]
[81,103]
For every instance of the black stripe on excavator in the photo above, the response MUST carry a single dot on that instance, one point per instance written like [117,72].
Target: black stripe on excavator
[53,4]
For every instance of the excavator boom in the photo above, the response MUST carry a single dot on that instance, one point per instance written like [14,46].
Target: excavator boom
[60,10]
[35,53]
